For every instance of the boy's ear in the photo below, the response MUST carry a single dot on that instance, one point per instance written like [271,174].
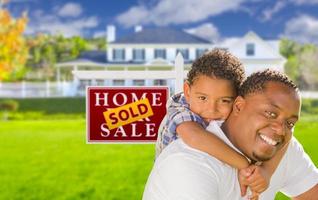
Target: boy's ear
[238,105]
[186,90]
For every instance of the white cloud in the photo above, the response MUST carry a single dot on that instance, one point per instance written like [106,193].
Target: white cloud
[53,24]
[207,31]
[99,34]
[167,12]
[135,15]
[305,2]
[20,1]
[303,28]
[268,13]
[70,10]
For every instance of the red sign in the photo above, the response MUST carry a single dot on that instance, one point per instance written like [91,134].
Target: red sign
[124,114]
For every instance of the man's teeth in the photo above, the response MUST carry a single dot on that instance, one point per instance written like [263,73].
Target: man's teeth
[268,140]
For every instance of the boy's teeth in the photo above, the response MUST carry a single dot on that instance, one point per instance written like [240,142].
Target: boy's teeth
[268,140]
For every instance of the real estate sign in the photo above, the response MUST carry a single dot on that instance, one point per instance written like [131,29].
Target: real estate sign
[124,114]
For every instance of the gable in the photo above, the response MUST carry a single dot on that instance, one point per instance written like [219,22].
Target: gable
[262,49]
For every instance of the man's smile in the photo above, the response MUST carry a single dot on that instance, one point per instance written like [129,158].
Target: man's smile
[268,140]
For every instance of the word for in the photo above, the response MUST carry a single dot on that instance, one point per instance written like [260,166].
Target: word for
[128,113]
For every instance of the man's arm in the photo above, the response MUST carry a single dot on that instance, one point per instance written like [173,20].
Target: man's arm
[311,194]
[301,177]
[197,137]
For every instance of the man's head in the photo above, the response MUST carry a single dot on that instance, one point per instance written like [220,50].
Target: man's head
[212,84]
[264,114]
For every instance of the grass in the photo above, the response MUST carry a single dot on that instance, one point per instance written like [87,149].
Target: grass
[49,159]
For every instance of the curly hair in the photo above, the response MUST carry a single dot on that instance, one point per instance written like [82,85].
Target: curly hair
[256,81]
[220,64]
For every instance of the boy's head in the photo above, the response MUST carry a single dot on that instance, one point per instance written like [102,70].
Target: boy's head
[212,84]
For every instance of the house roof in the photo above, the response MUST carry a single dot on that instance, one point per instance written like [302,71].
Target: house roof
[161,36]
[95,56]
[89,58]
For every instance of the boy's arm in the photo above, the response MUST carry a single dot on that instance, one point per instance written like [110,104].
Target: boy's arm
[191,128]
[260,177]
[194,135]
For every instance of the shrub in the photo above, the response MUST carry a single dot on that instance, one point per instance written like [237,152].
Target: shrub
[9,105]
[6,106]
[309,106]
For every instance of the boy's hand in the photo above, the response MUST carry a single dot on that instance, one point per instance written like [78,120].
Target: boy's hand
[259,179]
[254,177]
[253,196]
[243,174]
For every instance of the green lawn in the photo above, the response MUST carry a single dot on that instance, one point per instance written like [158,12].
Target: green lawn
[51,160]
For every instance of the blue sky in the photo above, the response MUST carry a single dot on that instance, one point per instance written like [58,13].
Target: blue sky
[211,19]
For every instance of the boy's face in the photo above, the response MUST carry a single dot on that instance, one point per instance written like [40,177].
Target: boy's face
[209,97]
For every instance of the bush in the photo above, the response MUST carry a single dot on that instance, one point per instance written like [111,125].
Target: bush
[45,108]
[49,106]
[6,106]
[309,106]
[9,105]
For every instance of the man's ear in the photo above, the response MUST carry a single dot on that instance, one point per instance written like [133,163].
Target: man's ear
[186,90]
[238,105]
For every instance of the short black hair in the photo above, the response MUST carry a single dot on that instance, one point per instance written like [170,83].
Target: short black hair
[218,63]
[256,81]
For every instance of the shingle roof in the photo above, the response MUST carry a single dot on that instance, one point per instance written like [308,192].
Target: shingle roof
[161,36]
[94,56]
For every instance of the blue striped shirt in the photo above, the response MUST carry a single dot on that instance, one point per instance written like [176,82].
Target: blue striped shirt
[178,111]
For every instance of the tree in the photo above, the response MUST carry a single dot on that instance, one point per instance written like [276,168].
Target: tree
[98,43]
[301,65]
[13,49]
[289,47]
[308,60]
[47,50]
[292,68]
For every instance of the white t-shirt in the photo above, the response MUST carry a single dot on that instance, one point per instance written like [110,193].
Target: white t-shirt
[184,173]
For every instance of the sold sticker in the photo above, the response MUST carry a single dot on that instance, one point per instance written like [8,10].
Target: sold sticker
[128,113]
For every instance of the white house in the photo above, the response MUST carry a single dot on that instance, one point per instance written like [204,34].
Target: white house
[145,46]
[155,50]
[255,52]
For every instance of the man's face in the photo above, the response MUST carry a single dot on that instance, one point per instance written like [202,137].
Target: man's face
[209,97]
[266,120]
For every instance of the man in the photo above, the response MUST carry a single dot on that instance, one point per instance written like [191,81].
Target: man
[260,124]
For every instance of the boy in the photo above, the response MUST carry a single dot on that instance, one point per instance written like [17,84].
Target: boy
[209,92]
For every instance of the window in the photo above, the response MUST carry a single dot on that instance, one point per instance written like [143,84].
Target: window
[200,52]
[118,54]
[250,49]
[160,82]
[139,54]
[118,82]
[84,83]
[160,53]
[138,82]
[100,82]
[184,52]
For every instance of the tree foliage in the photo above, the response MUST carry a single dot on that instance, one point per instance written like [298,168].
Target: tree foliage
[13,48]
[302,63]
[47,50]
